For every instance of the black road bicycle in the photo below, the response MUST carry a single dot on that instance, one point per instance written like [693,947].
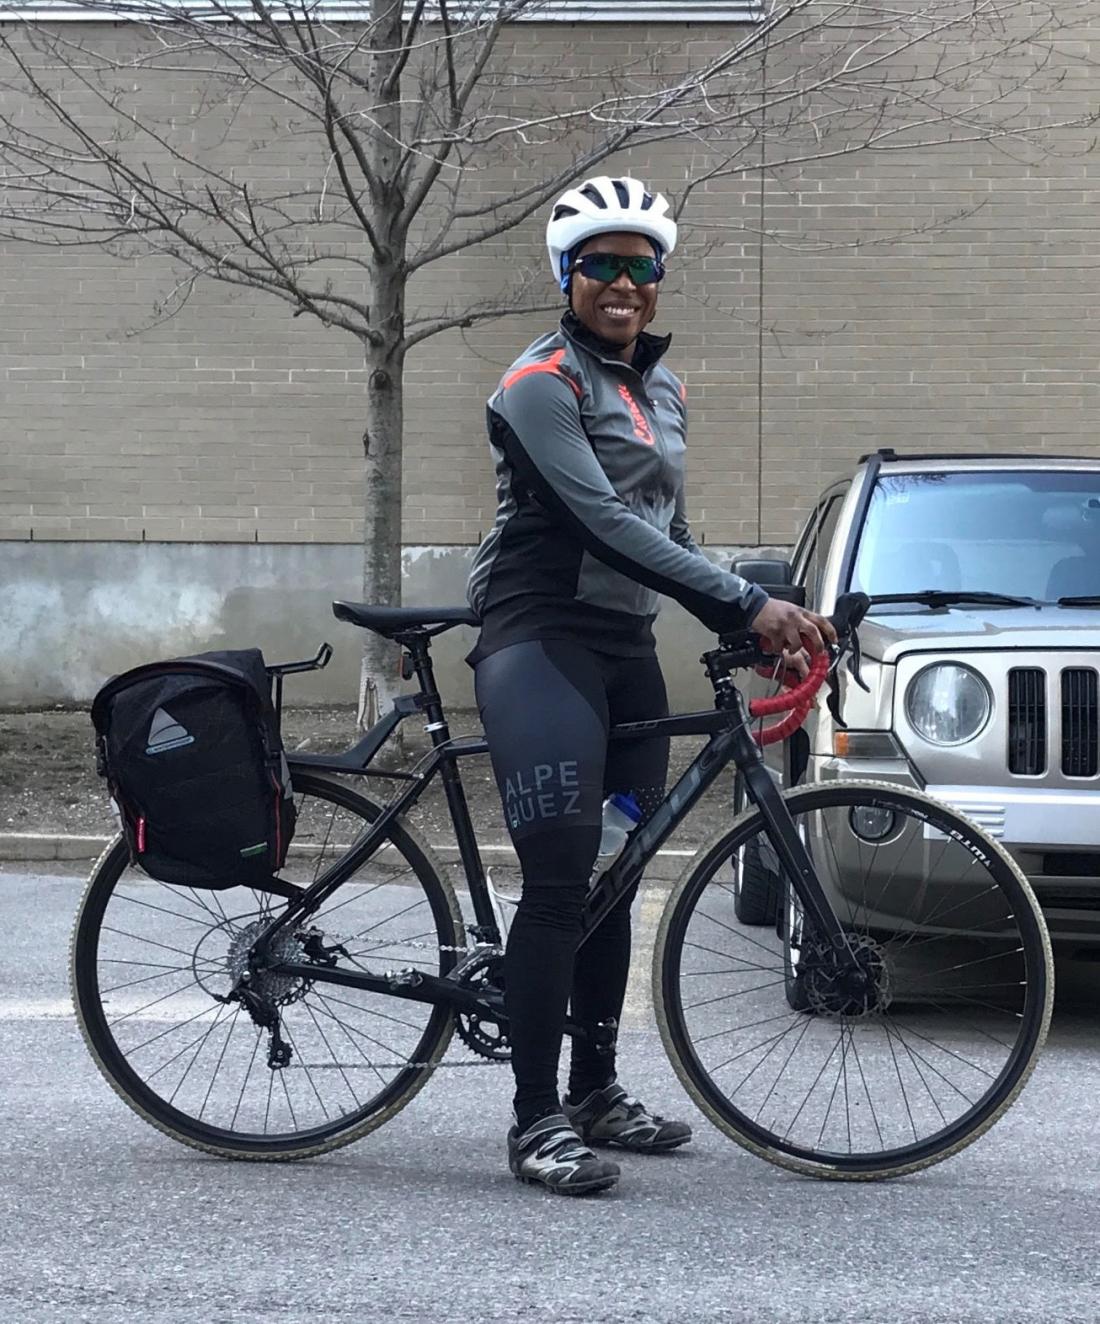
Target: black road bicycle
[885,1021]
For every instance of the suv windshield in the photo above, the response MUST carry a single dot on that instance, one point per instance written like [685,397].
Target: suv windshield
[1034,535]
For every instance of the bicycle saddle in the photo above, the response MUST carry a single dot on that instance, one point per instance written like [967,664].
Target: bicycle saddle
[393,621]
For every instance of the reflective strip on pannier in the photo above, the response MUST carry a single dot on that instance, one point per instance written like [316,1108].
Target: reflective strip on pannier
[193,757]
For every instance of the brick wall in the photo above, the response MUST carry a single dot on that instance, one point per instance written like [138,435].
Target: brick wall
[233,421]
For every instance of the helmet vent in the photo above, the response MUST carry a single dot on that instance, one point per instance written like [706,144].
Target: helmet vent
[594,195]
[647,201]
[621,192]
[560,211]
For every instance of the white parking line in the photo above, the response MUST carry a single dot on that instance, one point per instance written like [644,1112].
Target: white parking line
[35,1009]
[638,1008]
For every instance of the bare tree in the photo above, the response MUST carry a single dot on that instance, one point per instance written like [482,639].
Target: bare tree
[421,117]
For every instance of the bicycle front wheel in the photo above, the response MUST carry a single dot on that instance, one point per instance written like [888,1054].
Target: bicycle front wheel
[881,1060]
[153,962]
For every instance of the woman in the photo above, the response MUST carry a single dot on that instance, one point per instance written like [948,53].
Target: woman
[587,433]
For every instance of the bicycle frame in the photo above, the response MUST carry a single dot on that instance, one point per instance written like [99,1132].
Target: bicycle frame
[730,741]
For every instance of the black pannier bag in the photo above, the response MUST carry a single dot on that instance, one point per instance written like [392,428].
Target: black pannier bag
[194,760]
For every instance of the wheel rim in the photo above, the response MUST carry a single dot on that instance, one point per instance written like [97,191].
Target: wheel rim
[816,1088]
[151,961]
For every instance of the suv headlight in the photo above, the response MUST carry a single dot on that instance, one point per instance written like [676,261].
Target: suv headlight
[948,704]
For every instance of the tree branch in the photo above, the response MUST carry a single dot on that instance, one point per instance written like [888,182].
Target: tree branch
[421,330]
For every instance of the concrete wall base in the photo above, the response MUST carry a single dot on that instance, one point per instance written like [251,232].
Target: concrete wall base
[73,613]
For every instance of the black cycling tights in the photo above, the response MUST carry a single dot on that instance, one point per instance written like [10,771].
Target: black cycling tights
[546,707]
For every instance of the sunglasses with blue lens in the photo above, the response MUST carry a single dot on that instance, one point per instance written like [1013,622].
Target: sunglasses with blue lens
[606,267]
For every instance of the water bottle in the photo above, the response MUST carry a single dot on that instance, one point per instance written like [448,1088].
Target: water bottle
[621,816]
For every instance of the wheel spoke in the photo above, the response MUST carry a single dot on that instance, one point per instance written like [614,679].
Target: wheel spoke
[152,942]
[740,993]
[144,979]
[382,1015]
[171,1029]
[244,1083]
[740,1029]
[332,1052]
[165,997]
[163,910]
[729,956]
[221,1059]
[350,1031]
[303,1066]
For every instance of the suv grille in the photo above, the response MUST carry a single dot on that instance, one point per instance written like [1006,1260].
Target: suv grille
[1080,751]
[1027,721]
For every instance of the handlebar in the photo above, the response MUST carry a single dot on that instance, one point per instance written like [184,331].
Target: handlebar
[746,649]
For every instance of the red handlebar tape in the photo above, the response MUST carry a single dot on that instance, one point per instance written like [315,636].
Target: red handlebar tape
[797,702]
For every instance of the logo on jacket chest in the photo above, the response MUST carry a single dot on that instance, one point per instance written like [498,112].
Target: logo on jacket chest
[642,430]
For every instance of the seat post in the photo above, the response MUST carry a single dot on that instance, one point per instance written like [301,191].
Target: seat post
[418,647]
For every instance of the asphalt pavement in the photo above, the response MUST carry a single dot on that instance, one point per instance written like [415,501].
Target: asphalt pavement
[106,1220]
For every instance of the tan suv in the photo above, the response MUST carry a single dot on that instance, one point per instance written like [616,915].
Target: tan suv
[981,655]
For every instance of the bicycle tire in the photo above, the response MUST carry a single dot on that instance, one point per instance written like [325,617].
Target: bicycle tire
[1007,927]
[407,864]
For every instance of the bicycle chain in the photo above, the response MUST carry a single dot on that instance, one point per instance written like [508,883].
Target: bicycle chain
[467,949]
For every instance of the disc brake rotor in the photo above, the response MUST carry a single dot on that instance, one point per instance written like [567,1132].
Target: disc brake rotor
[839,986]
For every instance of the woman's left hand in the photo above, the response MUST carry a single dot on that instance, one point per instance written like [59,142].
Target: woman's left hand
[790,670]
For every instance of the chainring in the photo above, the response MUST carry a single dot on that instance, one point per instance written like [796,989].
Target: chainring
[487,1038]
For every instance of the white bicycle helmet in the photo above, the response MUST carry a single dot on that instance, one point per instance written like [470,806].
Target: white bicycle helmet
[601,206]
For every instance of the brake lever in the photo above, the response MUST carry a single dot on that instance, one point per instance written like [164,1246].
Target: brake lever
[832,701]
[854,661]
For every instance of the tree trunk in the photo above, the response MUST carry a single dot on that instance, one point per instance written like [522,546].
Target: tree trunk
[379,683]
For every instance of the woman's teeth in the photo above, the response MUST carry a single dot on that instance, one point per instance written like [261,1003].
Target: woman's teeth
[615,311]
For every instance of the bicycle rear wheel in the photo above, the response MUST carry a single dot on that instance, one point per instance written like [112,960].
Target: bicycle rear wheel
[887,1072]
[150,962]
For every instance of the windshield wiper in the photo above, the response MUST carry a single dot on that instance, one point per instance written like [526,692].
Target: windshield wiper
[1083,600]
[937,597]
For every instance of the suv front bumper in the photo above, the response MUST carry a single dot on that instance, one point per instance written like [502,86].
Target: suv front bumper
[1053,835]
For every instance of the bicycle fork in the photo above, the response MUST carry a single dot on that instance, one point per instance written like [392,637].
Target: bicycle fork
[789,847]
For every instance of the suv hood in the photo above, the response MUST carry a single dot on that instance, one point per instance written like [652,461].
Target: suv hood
[895,633]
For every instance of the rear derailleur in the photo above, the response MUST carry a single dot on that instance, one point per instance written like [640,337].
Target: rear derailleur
[266,1015]
[262,993]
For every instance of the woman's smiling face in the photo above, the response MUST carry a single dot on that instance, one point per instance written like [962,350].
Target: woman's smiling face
[620,310]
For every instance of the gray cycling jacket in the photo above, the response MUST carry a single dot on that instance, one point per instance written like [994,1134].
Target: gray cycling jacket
[590,526]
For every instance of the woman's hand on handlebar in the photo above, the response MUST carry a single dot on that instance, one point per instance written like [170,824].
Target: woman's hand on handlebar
[791,668]
[786,628]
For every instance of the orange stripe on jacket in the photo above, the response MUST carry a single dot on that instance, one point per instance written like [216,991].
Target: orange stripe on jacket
[552,364]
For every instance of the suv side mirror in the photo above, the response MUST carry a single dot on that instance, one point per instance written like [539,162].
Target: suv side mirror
[774,577]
